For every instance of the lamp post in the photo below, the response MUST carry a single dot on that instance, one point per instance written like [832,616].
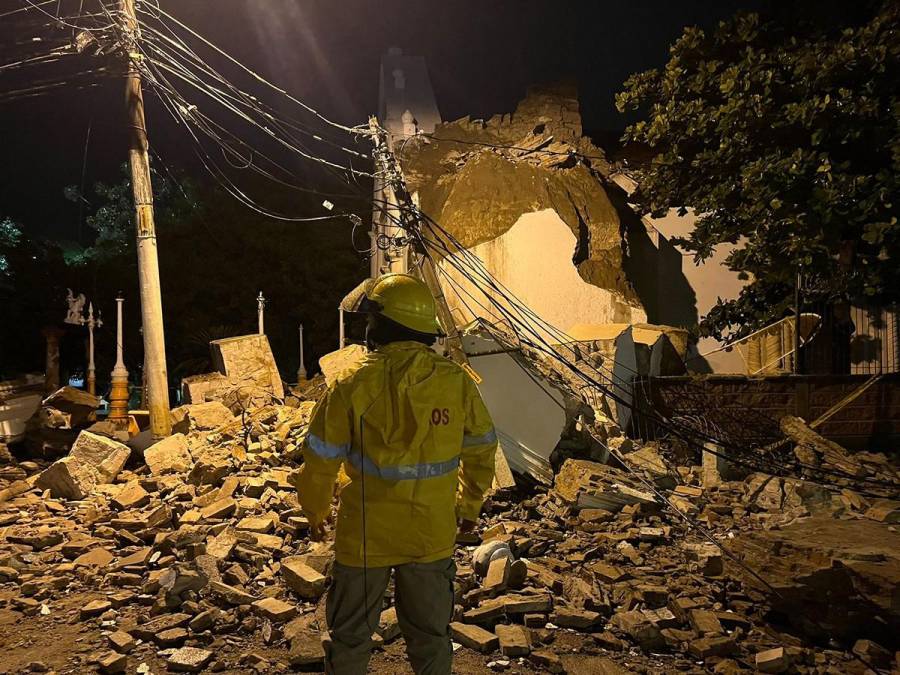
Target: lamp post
[260,312]
[91,324]
[118,396]
[301,371]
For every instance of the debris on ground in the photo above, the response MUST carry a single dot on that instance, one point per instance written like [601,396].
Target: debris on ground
[194,556]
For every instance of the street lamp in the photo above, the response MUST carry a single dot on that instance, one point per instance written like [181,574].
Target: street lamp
[76,317]
[301,371]
[91,323]
[260,312]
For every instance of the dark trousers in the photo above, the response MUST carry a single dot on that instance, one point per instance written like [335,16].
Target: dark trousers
[424,597]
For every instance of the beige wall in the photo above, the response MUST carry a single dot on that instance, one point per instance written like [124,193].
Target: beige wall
[710,280]
[533,259]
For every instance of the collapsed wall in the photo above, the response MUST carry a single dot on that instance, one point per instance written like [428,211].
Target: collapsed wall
[536,189]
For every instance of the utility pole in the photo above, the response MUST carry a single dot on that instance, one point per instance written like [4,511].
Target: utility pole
[410,222]
[148,261]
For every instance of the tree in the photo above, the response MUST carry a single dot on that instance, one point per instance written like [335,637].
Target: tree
[783,135]
[33,281]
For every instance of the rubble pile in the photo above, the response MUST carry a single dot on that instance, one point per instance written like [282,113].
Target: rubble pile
[202,538]
[192,554]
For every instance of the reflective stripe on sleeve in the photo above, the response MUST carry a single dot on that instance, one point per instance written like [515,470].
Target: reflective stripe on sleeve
[404,471]
[327,450]
[484,439]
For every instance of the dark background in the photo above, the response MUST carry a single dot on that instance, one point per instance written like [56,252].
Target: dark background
[482,55]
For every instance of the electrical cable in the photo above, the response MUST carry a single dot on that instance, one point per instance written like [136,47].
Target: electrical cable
[61,21]
[553,351]
[255,75]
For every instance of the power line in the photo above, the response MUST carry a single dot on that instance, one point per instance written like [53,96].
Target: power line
[527,321]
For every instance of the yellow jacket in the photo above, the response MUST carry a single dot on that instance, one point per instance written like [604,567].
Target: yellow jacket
[418,444]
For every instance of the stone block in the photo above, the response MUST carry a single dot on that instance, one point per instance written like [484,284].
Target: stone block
[132,496]
[69,478]
[302,579]
[474,637]
[872,653]
[106,456]
[639,628]
[772,660]
[112,663]
[514,640]
[248,359]
[200,388]
[705,622]
[121,641]
[201,417]
[579,619]
[705,647]
[388,624]
[230,594]
[189,660]
[307,651]
[275,610]
[497,574]
[77,404]
[170,455]
[221,508]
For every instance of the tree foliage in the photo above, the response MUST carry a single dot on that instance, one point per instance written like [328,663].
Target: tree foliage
[783,134]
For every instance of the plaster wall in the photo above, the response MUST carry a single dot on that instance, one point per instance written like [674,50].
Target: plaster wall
[533,259]
[710,280]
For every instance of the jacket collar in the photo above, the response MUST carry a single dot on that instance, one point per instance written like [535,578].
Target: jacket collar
[402,346]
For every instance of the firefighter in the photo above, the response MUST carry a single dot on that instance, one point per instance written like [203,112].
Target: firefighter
[413,435]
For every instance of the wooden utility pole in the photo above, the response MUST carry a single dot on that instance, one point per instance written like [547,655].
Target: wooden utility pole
[148,262]
[407,212]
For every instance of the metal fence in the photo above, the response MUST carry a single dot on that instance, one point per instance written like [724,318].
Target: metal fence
[853,340]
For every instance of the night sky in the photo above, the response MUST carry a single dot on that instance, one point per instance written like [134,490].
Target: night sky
[482,55]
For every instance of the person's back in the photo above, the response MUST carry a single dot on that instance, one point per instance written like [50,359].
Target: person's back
[417,443]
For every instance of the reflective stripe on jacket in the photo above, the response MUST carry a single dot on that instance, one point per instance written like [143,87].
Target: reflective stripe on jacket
[418,444]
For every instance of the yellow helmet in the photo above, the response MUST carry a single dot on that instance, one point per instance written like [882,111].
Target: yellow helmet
[399,297]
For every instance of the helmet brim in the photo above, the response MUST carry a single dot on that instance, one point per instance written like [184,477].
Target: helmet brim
[357,301]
